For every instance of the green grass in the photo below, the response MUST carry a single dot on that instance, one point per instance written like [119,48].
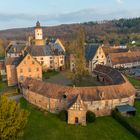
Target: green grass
[47,126]
[47,75]
[4,89]
[133,81]
[135,121]
[3,85]
[87,82]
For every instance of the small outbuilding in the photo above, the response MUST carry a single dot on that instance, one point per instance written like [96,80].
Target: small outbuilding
[126,110]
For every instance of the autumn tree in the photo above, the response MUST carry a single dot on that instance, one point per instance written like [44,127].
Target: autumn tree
[2,47]
[77,49]
[13,119]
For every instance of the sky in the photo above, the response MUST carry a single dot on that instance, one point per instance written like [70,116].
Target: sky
[25,13]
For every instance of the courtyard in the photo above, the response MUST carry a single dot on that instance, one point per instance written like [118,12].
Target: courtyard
[65,78]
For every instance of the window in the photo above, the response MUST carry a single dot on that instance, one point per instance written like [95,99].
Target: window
[37,69]
[97,57]
[41,58]
[21,70]
[61,61]
[76,106]
[29,69]
[42,62]
[106,103]
[51,61]
[24,62]
[38,76]
[64,96]
[33,62]
[51,57]
[28,57]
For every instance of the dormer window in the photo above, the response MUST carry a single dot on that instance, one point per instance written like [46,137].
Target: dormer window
[29,69]
[64,96]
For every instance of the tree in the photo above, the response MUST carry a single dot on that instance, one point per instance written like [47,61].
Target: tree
[13,119]
[1,48]
[79,54]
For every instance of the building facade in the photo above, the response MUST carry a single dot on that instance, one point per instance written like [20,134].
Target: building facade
[19,68]
[124,60]
[49,53]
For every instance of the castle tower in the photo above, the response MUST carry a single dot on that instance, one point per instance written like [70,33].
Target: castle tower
[38,31]
[39,35]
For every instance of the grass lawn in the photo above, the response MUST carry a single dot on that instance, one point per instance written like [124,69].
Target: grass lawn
[134,81]
[47,75]
[47,126]
[135,121]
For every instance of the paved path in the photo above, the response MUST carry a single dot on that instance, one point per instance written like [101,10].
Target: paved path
[16,98]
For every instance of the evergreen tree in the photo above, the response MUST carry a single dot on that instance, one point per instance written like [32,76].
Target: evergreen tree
[13,119]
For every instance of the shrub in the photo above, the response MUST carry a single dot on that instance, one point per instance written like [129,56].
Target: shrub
[13,119]
[63,115]
[118,117]
[90,117]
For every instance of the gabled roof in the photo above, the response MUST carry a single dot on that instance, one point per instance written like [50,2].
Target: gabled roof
[17,60]
[45,50]
[108,50]
[37,50]
[23,57]
[13,60]
[90,51]
[134,49]
[78,99]
[16,48]
[123,58]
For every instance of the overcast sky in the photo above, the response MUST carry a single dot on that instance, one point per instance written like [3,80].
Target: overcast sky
[24,13]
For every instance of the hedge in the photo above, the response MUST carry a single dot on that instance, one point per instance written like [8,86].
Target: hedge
[90,117]
[63,115]
[119,118]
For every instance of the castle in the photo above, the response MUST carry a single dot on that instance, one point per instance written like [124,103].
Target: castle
[25,62]
[78,100]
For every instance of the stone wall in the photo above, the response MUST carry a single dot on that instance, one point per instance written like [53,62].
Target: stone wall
[104,107]
[11,75]
[49,104]
[100,108]
[76,115]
